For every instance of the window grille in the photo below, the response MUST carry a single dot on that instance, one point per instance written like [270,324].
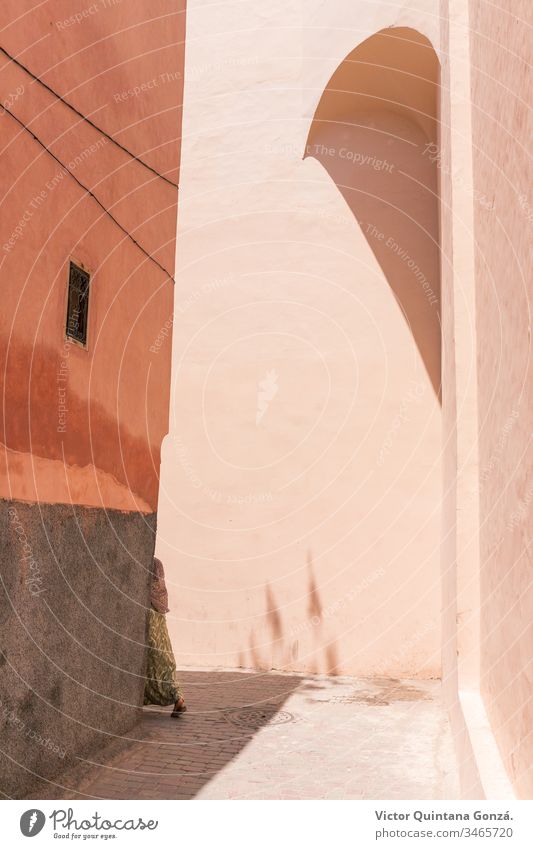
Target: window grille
[78,303]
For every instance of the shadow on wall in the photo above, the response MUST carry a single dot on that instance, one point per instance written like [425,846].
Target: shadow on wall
[280,649]
[375,131]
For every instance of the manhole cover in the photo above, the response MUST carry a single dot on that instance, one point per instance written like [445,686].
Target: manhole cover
[258,717]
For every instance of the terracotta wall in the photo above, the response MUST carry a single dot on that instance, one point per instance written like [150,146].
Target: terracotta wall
[128,79]
[300,500]
[501,130]
[82,427]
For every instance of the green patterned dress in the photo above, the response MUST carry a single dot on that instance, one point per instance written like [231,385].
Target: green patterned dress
[161,687]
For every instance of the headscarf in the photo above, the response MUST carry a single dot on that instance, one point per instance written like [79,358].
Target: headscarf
[159,594]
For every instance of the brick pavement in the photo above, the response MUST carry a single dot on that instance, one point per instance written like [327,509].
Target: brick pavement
[269,735]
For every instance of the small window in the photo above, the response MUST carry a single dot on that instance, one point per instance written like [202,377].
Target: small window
[78,303]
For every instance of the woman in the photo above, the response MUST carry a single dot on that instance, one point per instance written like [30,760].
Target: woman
[161,687]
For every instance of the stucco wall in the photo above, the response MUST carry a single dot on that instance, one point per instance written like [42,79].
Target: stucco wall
[299,511]
[501,130]
[116,392]
[82,427]
[459,546]
[72,634]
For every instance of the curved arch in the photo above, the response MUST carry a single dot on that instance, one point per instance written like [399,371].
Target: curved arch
[375,131]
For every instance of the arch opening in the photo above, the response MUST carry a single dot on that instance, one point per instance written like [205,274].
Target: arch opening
[375,131]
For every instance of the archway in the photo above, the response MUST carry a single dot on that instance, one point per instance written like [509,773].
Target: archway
[375,131]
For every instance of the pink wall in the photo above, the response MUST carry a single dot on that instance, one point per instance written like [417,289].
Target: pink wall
[299,517]
[501,130]
[460,523]
[485,221]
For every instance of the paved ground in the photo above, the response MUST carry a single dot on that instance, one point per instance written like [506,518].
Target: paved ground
[252,735]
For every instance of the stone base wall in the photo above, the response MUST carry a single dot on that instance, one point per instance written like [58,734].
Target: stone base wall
[73,597]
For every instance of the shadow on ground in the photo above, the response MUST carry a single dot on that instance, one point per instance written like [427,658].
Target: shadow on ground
[270,735]
[174,758]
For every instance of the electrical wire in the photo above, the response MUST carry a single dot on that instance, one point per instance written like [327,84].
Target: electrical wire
[89,192]
[88,120]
